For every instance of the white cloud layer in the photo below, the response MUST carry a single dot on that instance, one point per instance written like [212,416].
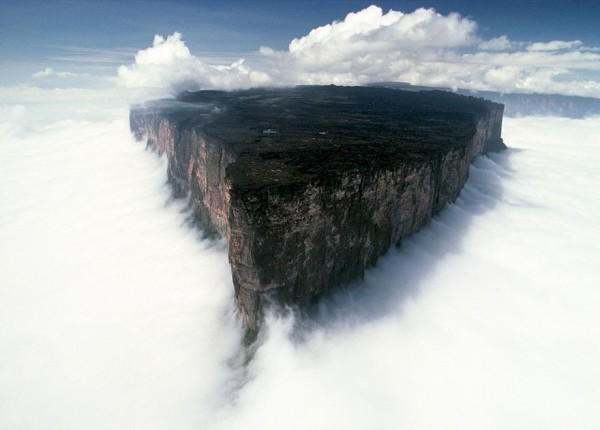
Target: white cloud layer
[95,334]
[485,319]
[113,314]
[421,47]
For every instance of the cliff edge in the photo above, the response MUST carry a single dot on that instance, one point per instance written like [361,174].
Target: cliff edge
[311,185]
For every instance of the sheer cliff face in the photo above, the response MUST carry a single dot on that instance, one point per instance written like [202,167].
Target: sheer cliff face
[196,165]
[298,228]
[292,247]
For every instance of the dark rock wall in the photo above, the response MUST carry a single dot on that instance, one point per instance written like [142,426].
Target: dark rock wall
[292,246]
[196,165]
[291,243]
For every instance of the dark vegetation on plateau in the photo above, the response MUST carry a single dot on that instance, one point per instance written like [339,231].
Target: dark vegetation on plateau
[312,184]
[285,136]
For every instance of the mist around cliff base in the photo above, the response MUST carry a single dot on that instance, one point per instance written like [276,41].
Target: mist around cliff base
[115,313]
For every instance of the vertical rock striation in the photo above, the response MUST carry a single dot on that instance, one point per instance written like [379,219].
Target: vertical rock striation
[311,185]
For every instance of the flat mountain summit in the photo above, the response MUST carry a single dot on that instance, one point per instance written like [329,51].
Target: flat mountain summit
[311,184]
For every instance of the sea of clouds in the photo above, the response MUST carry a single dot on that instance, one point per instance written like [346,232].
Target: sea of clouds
[116,314]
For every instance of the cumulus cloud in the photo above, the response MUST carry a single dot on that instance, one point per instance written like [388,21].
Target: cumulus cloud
[555,45]
[373,31]
[80,199]
[169,65]
[421,47]
[501,43]
[427,48]
[49,72]
[370,45]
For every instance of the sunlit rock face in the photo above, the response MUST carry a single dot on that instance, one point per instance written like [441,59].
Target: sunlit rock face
[311,185]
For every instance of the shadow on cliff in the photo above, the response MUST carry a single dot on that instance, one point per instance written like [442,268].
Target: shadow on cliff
[399,275]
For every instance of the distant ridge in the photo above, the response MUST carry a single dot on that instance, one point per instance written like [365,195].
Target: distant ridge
[520,104]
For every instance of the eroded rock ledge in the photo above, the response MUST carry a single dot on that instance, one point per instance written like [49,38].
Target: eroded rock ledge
[311,185]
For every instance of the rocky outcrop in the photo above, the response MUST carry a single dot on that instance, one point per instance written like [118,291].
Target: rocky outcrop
[311,185]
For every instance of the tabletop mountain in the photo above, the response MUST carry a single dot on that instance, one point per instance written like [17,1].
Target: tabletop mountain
[311,185]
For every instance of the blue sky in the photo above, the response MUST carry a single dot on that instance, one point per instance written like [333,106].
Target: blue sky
[97,36]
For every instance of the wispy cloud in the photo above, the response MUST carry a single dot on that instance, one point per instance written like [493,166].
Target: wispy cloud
[555,45]
[81,54]
[50,72]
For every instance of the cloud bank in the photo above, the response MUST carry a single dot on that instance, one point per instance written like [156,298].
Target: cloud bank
[421,47]
[114,314]
[108,299]
[485,319]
